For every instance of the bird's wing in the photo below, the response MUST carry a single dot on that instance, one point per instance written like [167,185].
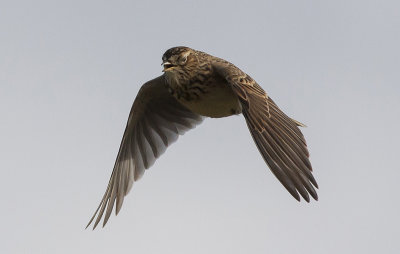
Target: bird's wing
[155,121]
[279,140]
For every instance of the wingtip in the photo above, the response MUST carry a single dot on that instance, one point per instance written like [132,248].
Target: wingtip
[90,222]
[105,220]
[95,224]
[315,196]
[297,197]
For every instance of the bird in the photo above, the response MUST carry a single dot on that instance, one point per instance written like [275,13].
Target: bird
[195,85]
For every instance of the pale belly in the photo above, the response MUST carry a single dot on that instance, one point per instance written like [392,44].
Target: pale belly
[219,101]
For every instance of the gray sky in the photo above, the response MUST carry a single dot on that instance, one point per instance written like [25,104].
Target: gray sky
[69,72]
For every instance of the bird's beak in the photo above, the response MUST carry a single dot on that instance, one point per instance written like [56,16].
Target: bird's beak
[167,65]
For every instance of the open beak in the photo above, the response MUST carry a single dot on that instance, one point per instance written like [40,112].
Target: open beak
[167,65]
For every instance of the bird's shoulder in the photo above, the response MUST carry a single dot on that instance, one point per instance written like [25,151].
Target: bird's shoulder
[242,82]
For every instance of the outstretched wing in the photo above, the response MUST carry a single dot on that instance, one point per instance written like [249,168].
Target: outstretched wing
[279,140]
[155,121]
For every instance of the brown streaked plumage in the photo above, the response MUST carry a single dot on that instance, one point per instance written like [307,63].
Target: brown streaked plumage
[196,85]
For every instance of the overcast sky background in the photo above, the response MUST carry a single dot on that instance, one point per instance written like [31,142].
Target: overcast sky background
[70,70]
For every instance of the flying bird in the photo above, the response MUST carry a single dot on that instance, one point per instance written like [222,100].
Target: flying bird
[196,85]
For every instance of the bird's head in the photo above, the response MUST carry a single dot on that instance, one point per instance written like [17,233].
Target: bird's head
[178,59]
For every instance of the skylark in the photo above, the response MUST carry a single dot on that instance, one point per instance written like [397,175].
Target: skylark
[196,85]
